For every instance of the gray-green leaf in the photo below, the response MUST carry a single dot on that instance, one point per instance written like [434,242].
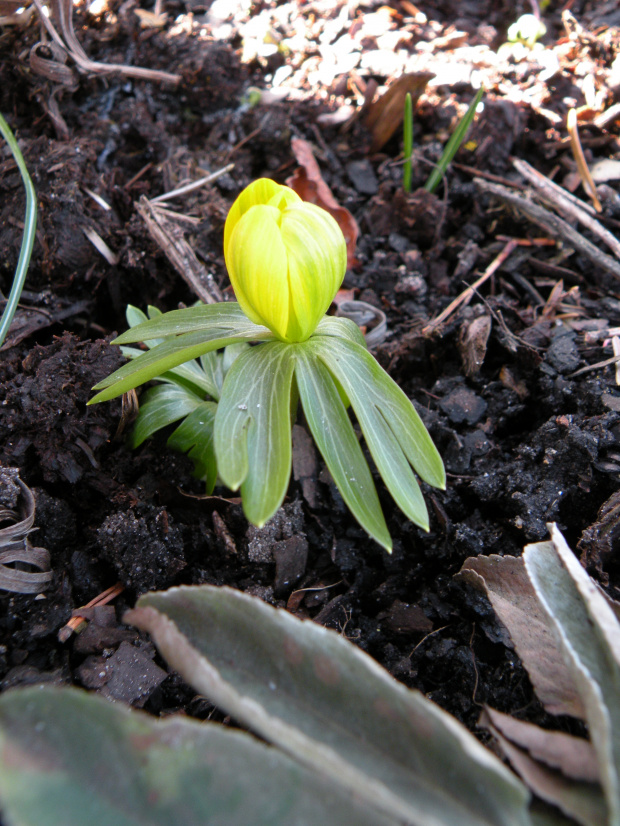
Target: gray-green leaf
[328,704]
[253,428]
[68,759]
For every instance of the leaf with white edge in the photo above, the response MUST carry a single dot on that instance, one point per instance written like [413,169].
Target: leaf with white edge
[202,318]
[253,428]
[68,758]
[328,704]
[162,406]
[343,328]
[171,353]
[508,587]
[194,436]
[589,633]
[333,433]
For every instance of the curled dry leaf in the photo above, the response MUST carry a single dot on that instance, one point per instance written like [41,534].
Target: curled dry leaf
[473,340]
[371,320]
[308,183]
[14,544]
[573,756]
[566,630]
[507,586]
[385,115]
[582,801]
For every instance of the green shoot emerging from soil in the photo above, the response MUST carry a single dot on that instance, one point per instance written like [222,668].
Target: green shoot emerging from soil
[407,142]
[30,225]
[453,145]
[286,260]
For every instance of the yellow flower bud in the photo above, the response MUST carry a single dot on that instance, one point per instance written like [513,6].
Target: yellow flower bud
[286,259]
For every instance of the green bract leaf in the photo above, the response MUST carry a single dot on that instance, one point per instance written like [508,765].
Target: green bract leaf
[72,759]
[173,352]
[322,700]
[194,436]
[373,386]
[334,435]
[160,407]
[394,432]
[340,328]
[253,428]
[203,317]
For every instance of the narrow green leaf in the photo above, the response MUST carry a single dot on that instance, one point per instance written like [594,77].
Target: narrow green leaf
[194,436]
[169,354]
[30,226]
[68,758]
[216,365]
[452,147]
[162,406]
[253,428]
[204,317]
[372,385]
[394,432]
[189,375]
[325,702]
[135,316]
[407,142]
[334,435]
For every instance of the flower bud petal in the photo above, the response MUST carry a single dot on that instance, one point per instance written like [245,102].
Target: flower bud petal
[317,261]
[286,259]
[261,191]
[256,249]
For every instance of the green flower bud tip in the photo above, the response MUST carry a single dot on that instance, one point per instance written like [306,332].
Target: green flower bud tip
[286,259]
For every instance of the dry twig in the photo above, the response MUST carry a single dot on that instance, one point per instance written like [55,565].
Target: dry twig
[466,296]
[582,166]
[169,237]
[77,619]
[552,224]
[567,204]
[62,11]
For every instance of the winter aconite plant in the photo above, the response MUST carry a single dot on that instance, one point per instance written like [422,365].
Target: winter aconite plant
[286,260]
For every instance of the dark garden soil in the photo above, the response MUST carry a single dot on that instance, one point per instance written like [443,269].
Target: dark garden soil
[529,433]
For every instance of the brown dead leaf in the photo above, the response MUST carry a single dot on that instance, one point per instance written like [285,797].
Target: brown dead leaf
[573,756]
[512,383]
[385,115]
[472,343]
[514,600]
[577,799]
[308,183]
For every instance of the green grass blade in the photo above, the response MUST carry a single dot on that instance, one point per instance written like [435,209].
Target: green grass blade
[407,142]
[453,144]
[30,226]
[162,406]
[333,433]
[253,428]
